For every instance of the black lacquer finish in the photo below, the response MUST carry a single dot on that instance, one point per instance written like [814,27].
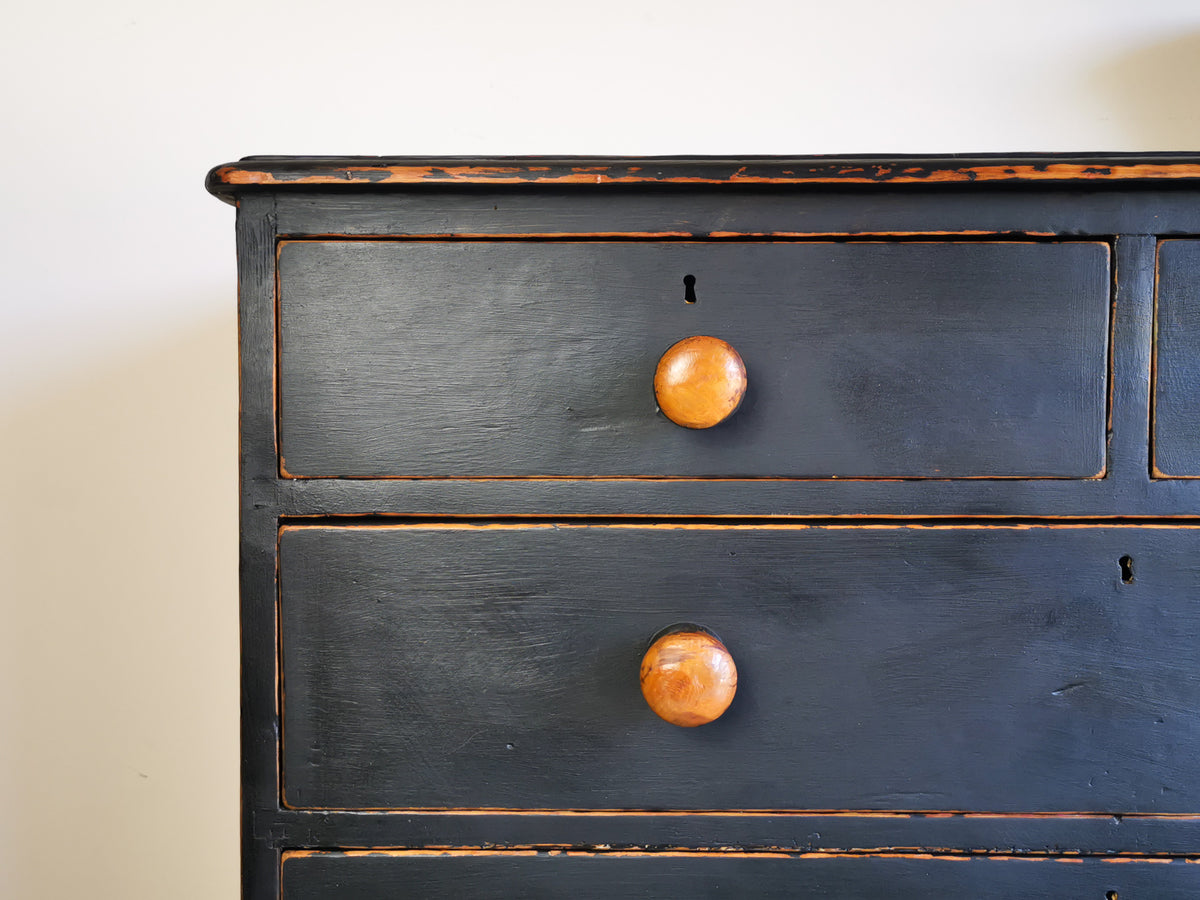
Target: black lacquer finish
[446,578]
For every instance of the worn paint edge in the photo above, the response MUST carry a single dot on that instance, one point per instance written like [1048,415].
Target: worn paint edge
[559,525]
[759,813]
[231,177]
[782,853]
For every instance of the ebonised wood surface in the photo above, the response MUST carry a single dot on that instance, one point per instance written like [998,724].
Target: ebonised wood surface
[257,551]
[666,876]
[980,212]
[993,669]
[1137,654]
[1177,361]
[510,359]
[856,831]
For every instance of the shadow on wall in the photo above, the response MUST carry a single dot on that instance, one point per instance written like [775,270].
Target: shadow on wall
[1156,91]
[120,693]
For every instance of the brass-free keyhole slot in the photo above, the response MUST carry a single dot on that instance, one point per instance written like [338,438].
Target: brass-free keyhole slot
[689,288]
[1126,563]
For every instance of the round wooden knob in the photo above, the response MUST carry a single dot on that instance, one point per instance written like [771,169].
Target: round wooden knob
[699,382]
[688,677]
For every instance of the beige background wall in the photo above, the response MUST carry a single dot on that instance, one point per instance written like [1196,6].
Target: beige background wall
[118,555]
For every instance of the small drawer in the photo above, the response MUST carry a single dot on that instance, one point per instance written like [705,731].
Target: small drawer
[902,668]
[367,875]
[525,359]
[1177,361]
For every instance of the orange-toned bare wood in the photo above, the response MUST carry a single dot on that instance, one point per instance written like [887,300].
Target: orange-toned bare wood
[238,175]
[948,855]
[749,814]
[688,678]
[559,523]
[700,382]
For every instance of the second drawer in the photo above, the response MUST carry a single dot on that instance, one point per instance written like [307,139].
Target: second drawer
[991,668]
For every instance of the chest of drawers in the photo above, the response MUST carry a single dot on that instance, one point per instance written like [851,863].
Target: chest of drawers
[937,503]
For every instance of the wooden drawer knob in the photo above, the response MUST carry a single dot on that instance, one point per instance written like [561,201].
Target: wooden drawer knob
[699,382]
[688,677]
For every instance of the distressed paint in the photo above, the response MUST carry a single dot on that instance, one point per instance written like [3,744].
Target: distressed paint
[1142,201]
[254,173]
[1007,631]
[560,376]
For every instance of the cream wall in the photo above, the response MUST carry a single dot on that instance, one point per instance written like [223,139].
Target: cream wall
[118,554]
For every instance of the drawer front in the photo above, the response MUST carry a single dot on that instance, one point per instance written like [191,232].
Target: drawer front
[580,876]
[526,359]
[1177,361]
[1000,669]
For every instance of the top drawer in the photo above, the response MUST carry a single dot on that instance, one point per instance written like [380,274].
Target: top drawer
[516,359]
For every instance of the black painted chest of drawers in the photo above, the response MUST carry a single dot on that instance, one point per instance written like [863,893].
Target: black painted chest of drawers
[951,535]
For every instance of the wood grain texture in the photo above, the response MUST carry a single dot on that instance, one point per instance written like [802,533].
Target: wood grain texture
[688,678]
[868,359]
[906,668]
[257,548]
[1129,421]
[1177,361]
[699,382]
[383,876]
[707,212]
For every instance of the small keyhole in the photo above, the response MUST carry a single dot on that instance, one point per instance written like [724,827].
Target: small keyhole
[689,288]
[1126,569]
[1110,895]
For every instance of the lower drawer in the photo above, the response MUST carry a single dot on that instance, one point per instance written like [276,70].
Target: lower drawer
[994,669]
[580,876]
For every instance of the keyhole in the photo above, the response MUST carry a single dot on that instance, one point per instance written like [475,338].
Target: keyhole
[689,288]
[1126,569]
[1110,895]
